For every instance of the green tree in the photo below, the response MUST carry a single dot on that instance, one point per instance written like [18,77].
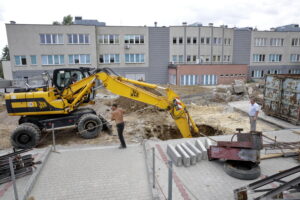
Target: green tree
[5,53]
[56,23]
[68,20]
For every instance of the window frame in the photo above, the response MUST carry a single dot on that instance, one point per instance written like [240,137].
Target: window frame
[61,59]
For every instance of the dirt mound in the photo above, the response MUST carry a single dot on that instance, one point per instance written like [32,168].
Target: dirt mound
[130,105]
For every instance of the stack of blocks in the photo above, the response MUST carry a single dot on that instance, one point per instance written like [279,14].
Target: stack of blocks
[188,153]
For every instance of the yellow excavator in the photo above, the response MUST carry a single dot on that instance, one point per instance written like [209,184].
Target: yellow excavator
[57,106]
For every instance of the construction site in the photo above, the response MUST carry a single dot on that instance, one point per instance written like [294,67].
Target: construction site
[183,142]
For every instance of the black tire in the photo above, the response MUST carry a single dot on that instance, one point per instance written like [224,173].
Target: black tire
[33,125]
[89,126]
[242,170]
[25,136]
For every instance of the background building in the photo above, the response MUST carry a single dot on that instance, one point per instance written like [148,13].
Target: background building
[184,55]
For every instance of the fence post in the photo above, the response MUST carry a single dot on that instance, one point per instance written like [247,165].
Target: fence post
[53,138]
[153,151]
[170,164]
[13,178]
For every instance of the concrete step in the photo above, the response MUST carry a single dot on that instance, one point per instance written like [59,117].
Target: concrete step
[196,151]
[174,155]
[193,158]
[185,157]
[202,148]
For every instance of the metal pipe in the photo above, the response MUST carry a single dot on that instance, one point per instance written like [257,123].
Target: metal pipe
[153,171]
[170,180]
[13,178]
[53,138]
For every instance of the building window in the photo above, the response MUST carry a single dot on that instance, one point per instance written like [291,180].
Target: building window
[260,42]
[259,57]
[295,42]
[108,39]
[172,79]
[134,39]
[33,60]
[189,79]
[53,60]
[227,41]
[174,40]
[78,39]
[209,79]
[202,40]
[79,59]
[226,58]
[275,57]
[180,40]
[174,58]
[295,57]
[207,40]
[194,58]
[51,39]
[276,42]
[216,58]
[294,71]
[188,40]
[20,60]
[180,58]
[188,58]
[137,77]
[204,58]
[109,58]
[217,41]
[194,40]
[134,58]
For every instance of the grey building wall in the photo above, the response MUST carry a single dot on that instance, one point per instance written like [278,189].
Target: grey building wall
[241,47]
[158,54]
[123,71]
[283,69]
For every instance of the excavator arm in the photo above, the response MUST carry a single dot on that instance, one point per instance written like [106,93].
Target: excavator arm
[171,102]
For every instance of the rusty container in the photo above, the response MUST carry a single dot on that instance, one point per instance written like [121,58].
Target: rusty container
[282,97]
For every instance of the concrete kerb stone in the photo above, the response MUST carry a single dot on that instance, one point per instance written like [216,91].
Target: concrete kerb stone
[196,151]
[208,143]
[150,172]
[202,148]
[35,176]
[185,157]
[174,155]
[190,153]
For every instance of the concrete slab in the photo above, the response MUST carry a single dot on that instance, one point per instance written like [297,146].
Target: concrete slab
[196,151]
[174,155]
[190,153]
[202,148]
[185,157]
[243,106]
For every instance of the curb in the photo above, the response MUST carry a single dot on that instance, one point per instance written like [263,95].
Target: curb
[34,177]
[154,191]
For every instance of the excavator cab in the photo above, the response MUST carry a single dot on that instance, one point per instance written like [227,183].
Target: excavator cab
[64,77]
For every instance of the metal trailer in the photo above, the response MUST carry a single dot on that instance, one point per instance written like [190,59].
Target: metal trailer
[282,97]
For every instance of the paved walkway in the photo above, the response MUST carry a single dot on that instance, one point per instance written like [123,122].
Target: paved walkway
[244,107]
[93,173]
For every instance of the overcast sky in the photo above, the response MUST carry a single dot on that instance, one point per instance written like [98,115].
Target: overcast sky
[262,14]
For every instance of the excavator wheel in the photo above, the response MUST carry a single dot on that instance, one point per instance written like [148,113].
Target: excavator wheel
[89,126]
[25,136]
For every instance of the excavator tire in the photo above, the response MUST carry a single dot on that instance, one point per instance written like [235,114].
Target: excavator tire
[89,126]
[34,126]
[25,136]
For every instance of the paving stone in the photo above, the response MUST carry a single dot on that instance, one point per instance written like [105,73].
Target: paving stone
[202,148]
[185,157]
[196,151]
[190,153]
[174,155]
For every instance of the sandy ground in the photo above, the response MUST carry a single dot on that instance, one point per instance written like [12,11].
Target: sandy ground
[143,121]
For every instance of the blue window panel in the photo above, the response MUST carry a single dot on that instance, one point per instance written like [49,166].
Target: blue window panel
[76,59]
[86,39]
[71,59]
[131,58]
[82,59]
[69,38]
[44,60]
[48,38]
[106,58]
[62,59]
[137,58]
[33,60]
[56,59]
[75,39]
[50,60]
[126,58]
[17,60]
[88,59]
[142,58]
[117,58]
[42,38]
[81,38]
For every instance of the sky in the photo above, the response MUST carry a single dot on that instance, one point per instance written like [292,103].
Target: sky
[262,14]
